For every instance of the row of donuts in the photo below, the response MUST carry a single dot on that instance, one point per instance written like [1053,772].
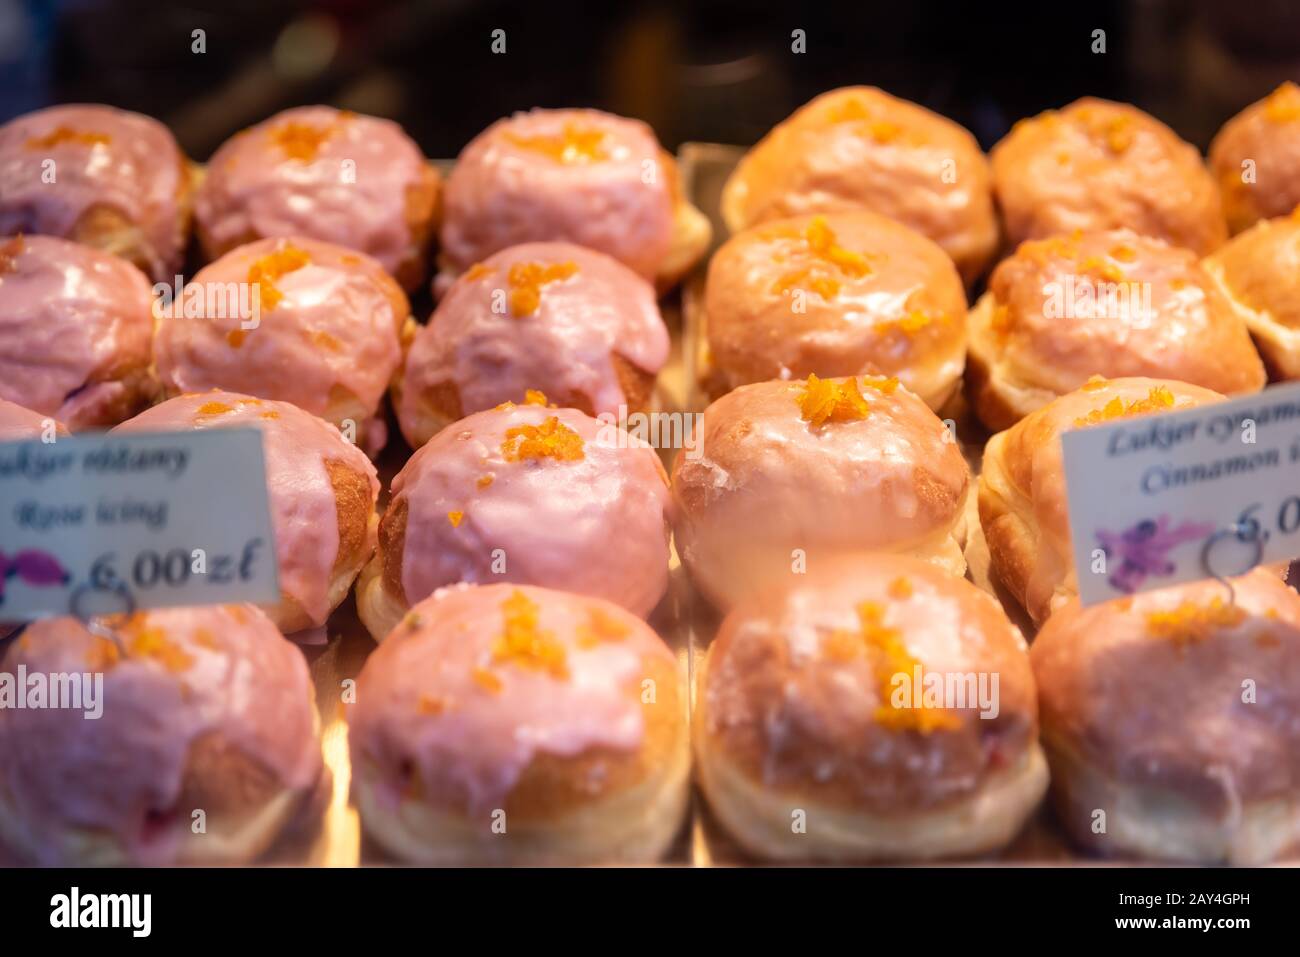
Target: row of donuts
[512,722]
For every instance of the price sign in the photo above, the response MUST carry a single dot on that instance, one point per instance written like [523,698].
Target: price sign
[93,524]
[1205,492]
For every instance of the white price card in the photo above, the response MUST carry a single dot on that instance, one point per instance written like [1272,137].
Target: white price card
[100,523]
[1208,492]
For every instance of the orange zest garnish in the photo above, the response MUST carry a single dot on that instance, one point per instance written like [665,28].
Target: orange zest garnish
[236,337]
[900,588]
[831,262]
[1095,383]
[576,145]
[215,408]
[487,680]
[431,705]
[534,397]
[1190,623]
[303,141]
[477,272]
[1159,399]
[601,626]
[526,280]
[552,439]
[455,518]
[525,643]
[266,270]
[824,400]
[1123,254]
[65,134]
[148,641]
[886,645]
[1106,270]
[485,480]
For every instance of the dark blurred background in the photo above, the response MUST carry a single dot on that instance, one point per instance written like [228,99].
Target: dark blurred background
[716,70]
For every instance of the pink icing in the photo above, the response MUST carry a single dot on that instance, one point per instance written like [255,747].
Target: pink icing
[336,326]
[242,680]
[480,742]
[17,423]
[595,526]
[476,341]
[69,313]
[501,193]
[138,171]
[296,446]
[254,187]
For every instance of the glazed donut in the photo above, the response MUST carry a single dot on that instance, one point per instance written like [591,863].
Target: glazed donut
[1265,135]
[835,295]
[1098,165]
[321,489]
[1258,271]
[1176,714]
[1023,507]
[75,330]
[120,183]
[523,493]
[326,174]
[315,324]
[18,423]
[202,709]
[584,176]
[506,724]
[570,322]
[789,475]
[860,148]
[1110,303]
[825,731]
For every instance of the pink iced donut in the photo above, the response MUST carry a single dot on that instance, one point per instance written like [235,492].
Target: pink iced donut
[200,709]
[322,493]
[555,317]
[327,174]
[17,423]
[516,725]
[75,325]
[316,324]
[523,493]
[104,177]
[579,175]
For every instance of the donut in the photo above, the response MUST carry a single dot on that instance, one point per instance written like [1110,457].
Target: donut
[1023,507]
[294,320]
[18,423]
[835,295]
[108,178]
[860,148]
[570,322]
[1258,271]
[506,724]
[75,331]
[583,176]
[325,174]
[880,710]
[321,489]
[529,494]
[206,717]
[1256,159]
[1110,303]
[784,476]
[1171,721]
[1097,165]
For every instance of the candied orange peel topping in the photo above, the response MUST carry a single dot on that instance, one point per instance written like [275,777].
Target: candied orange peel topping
[1123,253]
[455,518]
[600,627]
[1158,399]
[1283,104]
[236,337]
[303,141]
[535,397]
[1190,622]
[143,640]
[487,680]
[1115,130]
[577,145]
[431,705]
[831,262]
[824,400]
[478,271]
[267,269]
[485,480]
[215,408]
[1095,383]
[1104,268]
[525,643]
[66,134]
[900,588]
[550,440]
[526,280]
[891,657]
